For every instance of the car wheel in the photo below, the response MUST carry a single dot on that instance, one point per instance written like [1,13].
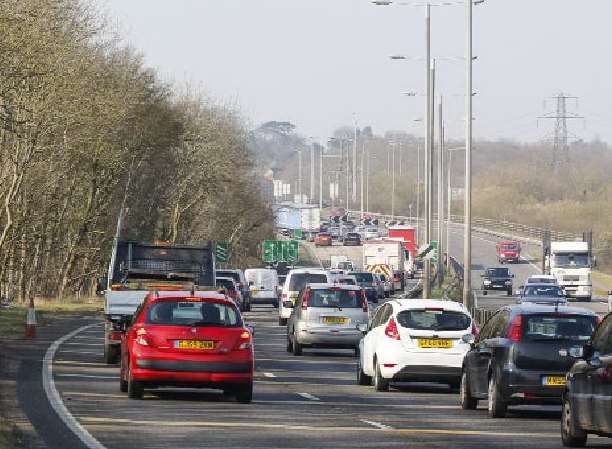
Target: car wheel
[275,304]
[497,407]
[282,321]
[289,344]
[123,384]
[362,378]
[509,292]
[356,349]
[111,354]
[297,347]
[380,383]
[571,433]
[244,394]
[134,388]
[465,393]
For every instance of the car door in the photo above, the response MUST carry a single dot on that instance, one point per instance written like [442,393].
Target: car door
[485,349]
[371,339]
[379,332]
[295,314]
[599,375]
[474,357]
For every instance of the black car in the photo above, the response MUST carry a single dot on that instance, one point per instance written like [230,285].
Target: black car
[521,356]
[587,400]
[497,279]
[352,239]
[366,280]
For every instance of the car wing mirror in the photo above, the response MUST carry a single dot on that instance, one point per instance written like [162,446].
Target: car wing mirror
[468,339]
[251,329]
[363,328]
[288,304]
[517,292]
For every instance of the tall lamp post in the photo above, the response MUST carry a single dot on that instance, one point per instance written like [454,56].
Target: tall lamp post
[449,197]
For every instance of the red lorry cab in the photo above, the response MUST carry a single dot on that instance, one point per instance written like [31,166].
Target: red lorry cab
[508,252]
[406,234]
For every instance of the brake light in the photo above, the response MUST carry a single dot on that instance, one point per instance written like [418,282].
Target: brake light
[391,330]
[306,298]
[515,332]
[475,330]
[599,319]
[284,295]
[245,341]
[142,338]
[364,301]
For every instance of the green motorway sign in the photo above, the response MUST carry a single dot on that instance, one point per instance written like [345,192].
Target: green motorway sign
[222,251]
[434,245]
[281,251]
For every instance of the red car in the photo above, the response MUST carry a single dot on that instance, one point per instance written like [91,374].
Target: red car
[323,240]
[195,341]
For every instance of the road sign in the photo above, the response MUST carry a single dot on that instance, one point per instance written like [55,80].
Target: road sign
[426,252]
[434,252]
[222,251]
[281,251]
[270,251]
[293,251]
[298,234]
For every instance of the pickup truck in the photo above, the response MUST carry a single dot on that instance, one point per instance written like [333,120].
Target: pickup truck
[497,279]
[137,268]
[508,252]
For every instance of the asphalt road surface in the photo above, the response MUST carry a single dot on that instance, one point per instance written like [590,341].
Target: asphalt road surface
[300,402]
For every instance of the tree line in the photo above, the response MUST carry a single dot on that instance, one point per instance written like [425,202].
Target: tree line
[86,127]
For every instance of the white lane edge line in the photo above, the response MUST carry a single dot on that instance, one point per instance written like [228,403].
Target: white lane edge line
[54,398]
[376,424]
[87,376]
[309,396]
[269,375]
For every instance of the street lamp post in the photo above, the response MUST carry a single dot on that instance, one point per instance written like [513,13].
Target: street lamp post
[299,175]
[311,200]
[440,191]
[467,243]
[361,183]
[428,82]
[449,195]
[393,183]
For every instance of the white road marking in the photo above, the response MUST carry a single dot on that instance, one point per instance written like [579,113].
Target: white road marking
[376,424]
[69,351]
[54,398]
[97,345]
[88,376]
[309,396]
[269,375]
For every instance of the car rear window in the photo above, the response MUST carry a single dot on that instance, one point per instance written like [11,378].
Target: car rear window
[226,283]
[193,313]
[434,320]
[299,280]
[497,272]
[542,290]
[558,327]
[229,274]
[335,298]
[346,281]
[363,277]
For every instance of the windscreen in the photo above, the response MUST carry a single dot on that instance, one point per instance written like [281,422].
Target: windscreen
[572,260]
[299,280]
[227,283]
[558,327]
[434,320]
[229,274]
[193,313]
[543,290]
[510,247]
[543,280]
[335,298]
[261,277]
[497,272]
[363,277]
[347,281]
[345,265]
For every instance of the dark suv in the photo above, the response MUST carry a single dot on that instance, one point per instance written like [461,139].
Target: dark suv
[497,279]
[587,401]
[521,356]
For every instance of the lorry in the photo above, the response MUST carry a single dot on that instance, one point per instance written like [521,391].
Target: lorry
[303,217]
[341,263]
[387,252]
[406,235]
[571,263]
[136,268]
[508,252]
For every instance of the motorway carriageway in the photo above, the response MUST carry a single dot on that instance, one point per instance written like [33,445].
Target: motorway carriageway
[300,402]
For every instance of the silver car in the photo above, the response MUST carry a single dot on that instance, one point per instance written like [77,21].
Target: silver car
[327,316]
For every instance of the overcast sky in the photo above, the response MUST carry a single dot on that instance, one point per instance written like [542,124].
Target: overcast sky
[318,62]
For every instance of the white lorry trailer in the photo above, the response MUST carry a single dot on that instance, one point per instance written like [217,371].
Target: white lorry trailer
[571,263]
[386,252]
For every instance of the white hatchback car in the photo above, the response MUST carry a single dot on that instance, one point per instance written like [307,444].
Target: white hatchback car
[414,340]
[296,279]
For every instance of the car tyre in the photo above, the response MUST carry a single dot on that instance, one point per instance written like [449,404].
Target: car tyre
[509,291]
[380,383]
[111,354]
[123,384]
[571,433]
[282,321]
[135,389]
[244,395]
[362,378]
[289,344]
[297,347]
[468,402]
[497,407]
[275,304]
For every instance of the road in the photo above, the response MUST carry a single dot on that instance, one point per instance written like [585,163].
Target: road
[300,402]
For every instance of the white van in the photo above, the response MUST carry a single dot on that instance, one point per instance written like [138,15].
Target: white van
[296,279]
[263,284]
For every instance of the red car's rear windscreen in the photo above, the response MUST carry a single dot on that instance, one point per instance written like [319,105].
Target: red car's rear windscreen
[193,313]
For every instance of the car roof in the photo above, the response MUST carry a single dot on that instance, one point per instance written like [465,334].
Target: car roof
[543,285]
[538,308]
[307,270]
[229,270]
[416,303]
[321,286]
[178,295]
[541,276]
[223,278]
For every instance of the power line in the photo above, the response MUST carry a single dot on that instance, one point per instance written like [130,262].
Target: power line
[560,140]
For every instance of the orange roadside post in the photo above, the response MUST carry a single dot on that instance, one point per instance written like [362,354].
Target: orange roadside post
[30,328]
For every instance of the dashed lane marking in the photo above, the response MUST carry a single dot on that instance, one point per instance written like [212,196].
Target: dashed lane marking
[269,375]
[376,424]
[309,396]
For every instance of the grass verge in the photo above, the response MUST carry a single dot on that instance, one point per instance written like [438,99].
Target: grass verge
[10,437]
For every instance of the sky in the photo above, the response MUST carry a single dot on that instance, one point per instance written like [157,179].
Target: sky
[321,64]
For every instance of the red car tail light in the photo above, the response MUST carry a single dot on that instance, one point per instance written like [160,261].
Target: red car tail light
[475,330]
[306,298]
[391,330]
[245,341]
[515,333]
[142,338]
[364,301]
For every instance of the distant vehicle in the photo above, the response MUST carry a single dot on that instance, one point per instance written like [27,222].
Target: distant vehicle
[229,286]
[327,316]
[587,399]
[571,264]
[520,356]
[187,341]
[541,279]
[508,252]
[366,281]
[345,279]
[387,283]
[405,234]
[386,273]
[323,240]
[263,284]
[340,263]
[295,281]
[242,284]
[352,239]
[371,233]
[387,252]
[415,340]
[380,286]
[497,279]
[542,294]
